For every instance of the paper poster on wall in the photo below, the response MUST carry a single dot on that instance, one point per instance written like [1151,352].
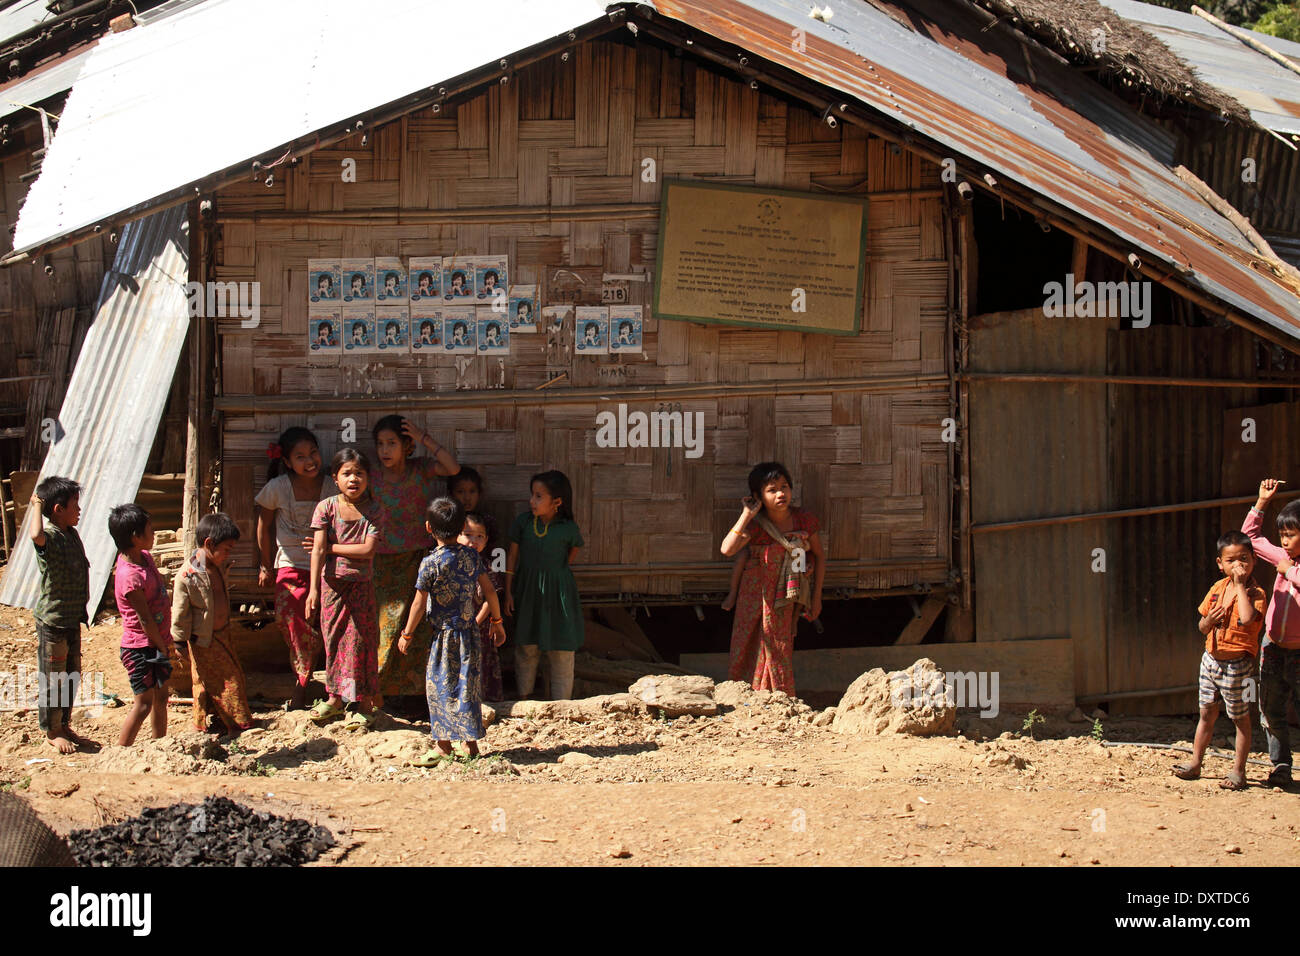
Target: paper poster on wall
[457,277]
[358,281]
[426,326]
[763,258]
[458,328]
[591,330]
[493,332]
[392,326]
[624,329]
[425,278]
[490,274]
[322,283]
[523,308]
[390,280]
[324,335]
[359,330]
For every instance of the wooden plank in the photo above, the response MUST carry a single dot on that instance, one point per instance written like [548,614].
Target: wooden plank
[920,624]
[1031,673]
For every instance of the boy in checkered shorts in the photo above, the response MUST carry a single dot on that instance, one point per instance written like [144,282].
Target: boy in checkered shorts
[1232,617]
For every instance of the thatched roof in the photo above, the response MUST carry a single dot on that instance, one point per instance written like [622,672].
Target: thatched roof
[1087,33]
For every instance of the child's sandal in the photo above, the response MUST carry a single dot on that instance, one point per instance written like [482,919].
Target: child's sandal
[356,720]
[322,712]
[1233,781]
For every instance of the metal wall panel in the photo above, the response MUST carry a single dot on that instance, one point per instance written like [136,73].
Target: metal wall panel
[1039,450]
[118,390]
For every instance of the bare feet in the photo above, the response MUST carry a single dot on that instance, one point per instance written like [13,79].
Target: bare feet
[471,748]
[729,602]
[80,741]
[61,743]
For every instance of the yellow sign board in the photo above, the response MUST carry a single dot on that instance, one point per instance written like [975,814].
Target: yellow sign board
[760,257]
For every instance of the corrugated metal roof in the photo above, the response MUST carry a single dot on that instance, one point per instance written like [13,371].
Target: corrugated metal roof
[933,67]
[21,17]
[116,396]
[302,65]
[36,87]
[1267,89]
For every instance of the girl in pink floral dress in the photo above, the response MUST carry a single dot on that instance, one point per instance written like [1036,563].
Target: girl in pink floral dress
[783,573]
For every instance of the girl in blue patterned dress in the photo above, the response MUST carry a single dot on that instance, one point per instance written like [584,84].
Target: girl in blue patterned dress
[445,590]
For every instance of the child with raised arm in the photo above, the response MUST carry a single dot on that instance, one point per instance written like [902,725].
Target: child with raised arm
[444,591]
[61,608]
[1232,617]
[1279,655]
[146,620]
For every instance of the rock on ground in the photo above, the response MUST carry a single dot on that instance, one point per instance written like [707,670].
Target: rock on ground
[912,701]
[677,694]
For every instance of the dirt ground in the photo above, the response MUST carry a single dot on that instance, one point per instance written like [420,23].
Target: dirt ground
[760,783]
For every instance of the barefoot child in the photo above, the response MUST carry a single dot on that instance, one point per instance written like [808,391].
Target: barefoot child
[296,484]
[542,594]
[476,536]
[343,590]
[783,573]
[146,620]
[201,624]
[444,591]
[1232,617]
[1279,655]
[61,608]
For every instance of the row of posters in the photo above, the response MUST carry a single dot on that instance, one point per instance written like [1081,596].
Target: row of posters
[385,280]
[422,328]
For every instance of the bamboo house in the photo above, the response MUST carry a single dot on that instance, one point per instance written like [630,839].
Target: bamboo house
[831,238]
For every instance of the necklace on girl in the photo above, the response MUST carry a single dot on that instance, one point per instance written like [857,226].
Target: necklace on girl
[540,534]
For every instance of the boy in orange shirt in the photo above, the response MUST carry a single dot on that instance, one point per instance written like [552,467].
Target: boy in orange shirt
[1232,617]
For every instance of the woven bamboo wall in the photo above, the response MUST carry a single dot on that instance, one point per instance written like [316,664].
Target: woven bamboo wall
[43,317]
[869,462]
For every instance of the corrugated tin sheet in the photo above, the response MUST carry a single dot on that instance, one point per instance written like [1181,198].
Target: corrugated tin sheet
[36,87]
[307,64]
[21,17]
[116,397]
[1038,451]
[1165,447]
[934,68]
[1267,89]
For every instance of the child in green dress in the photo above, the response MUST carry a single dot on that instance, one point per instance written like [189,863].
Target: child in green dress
[541,593]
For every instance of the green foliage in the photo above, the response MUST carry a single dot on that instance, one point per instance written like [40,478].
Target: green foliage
[1032,720]
[1097,731]
[1281,21]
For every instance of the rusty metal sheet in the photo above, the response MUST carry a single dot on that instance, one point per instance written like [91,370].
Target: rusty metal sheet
[932,67]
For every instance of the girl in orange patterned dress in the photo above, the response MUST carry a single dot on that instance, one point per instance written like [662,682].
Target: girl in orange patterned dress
[783,573]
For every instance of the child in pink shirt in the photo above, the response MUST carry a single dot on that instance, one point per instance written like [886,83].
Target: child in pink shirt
[1279,655]
[146,620]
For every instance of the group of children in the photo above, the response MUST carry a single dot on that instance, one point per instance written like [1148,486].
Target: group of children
[386,571]
[1234,615]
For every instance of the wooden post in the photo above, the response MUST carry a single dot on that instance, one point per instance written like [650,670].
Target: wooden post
[190,509]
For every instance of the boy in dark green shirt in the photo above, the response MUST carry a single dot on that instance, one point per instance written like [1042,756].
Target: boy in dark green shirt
[61,608]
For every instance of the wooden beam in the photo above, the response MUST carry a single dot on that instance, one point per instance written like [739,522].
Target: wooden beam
[1031,673]
[1124,513]
[921,623]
